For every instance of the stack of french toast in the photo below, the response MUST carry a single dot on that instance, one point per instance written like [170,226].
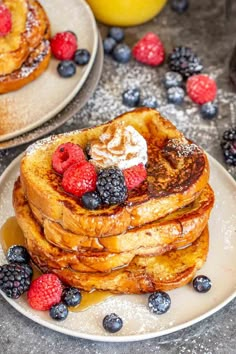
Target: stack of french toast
[25,50]
[155,240]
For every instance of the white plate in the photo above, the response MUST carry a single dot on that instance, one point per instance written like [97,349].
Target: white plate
[37,102]
[188,306]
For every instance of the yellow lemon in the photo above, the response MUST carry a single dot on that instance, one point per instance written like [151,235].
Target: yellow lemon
[125,12]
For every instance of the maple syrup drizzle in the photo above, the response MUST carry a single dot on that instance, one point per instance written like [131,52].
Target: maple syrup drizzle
[11,234]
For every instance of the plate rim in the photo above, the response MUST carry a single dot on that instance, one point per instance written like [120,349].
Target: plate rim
[75,90]
[122,338]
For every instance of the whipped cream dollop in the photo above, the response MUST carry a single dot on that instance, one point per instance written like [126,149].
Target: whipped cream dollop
[119,145]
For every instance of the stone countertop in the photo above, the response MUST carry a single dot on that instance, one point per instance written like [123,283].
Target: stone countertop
[205,29]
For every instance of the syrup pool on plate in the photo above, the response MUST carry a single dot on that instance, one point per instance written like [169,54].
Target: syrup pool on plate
[11,234]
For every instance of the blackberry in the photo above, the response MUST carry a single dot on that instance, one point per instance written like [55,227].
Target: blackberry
[185,62]
[59,312]
[175,95]
[71,296]
[111,186]
[108,45]
[18,254]
[91,200]
[66,68]
[112,323]
[121,53]
[172,79]
[131,97]
[201,284]
[116,33]
[82,57]
[15,279]
[159,302]
[228,145]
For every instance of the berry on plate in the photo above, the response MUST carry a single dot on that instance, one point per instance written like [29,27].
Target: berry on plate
[209,110]
[130,97]
[184,61]
[149,101]
[201,283]
[66,155]
[71,296]
[135,175]
[91,200]
[18,254]
[79,178]
[82,57]
[175,95]
[66,68]
[108,45]
[179,6]
[201,88]
[116,33]
[228,145]
[15,279]
[121,53]
[149,50]
[44,292]
[58,312]
[173,79]
[5,20]
[112,323]
[64,45]
[159,302]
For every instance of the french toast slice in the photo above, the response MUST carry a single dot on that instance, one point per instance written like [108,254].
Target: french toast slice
[30,25]
[36,63]
[177,172]
[191,225]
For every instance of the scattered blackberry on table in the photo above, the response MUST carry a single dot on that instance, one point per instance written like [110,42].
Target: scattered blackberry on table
[66,68]
[91,200]
[121,53]
[179,6]
[159,302]
[15,279]
[108,45]
[201,283]
[228,145]
[82,57]
[71,296]
[112,323]
[173,79]
[150,102]
[175,95]
[58,312]
[185,62]
[111,186]
[116,33]
[209,110]
[131,97]
[18,254]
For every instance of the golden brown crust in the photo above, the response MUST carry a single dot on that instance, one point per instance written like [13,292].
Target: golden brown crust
[177,173]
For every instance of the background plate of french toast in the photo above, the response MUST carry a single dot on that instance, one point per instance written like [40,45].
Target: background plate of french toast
[31,91]
[177,224]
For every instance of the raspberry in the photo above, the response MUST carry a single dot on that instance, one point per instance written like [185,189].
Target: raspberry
[66,155]
[201,88]
[5,21]
[149,50]
[135,175]
[44,292]
[80,178]
[64,45]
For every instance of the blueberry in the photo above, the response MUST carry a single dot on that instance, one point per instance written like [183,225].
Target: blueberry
[201,283]
[179,6]
[116,33]
[112,323]
[66,68]
[159,302]
[175,95]
[209,110]
[108,45]
[173,79]
[131,97]
[121,53]
[91,200]
[82,57]
[71,296]
[59,312]
[18,254]
[149,101]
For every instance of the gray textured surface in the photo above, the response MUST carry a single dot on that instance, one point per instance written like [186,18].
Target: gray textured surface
[204,28]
